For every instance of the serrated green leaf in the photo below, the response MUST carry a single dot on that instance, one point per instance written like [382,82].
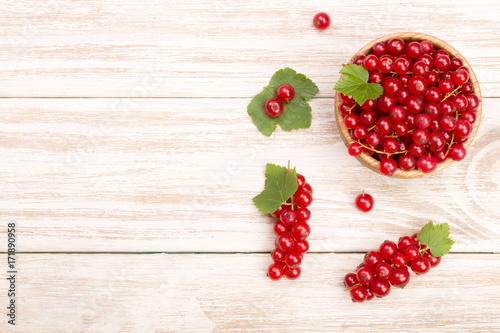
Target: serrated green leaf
[296,113]
[436,238]
[280,185]
[355,83]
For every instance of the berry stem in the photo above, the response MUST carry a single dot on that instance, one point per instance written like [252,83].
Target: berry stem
[382,152]
[450,94]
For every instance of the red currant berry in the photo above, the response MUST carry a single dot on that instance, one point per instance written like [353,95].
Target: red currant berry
[351,121]
[292,273]
[383,271]
[273,107]
[447,108]
[420,68]
[457,152]
[301,230]
[280,228]
[417,85]
[399,260]
[278,255]
[278,211]
[472,102]
[415,104]
[390,145]
[360,132]
[442,62]
[301,246]
[462,129]
[401,66]
[440,156]
[433,94]
[303,214]
[308,188]
[438,53]
[397,113]
[446,86]
[455,64]
[433,110]
[416,241]
[384,125]
[365,275]
[302,198]
[372,259]
[373,139]
[285,242]
[420,136]
[380,288]
[434,261]
[460,76]
[436,141]
[427,46]
[388,249]
[288,217]
[414,50]
[427,163]
[420,265]
[346,98]
[367,118]
[369,105]
[448,123]
[407,162]
[376,77]
[470,116]
[467,88]
[369,295]
[401,128]
[432,78]
[364,202]
[396,46]
[321,21]
[385,65]
[285,93]
[371,62]
[358,294]
[417,150]
[359,60]
[355,149]
[460,102]
[404,242]
[386,103]
[392,86]
[293,259]
[412,252]
[400,277]
[345,108]
[275,271]
[388,166]
[350,280]
[423,120]
[427,59]
[301,181]
[379,49]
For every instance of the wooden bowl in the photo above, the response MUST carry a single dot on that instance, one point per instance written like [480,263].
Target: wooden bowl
[372,163]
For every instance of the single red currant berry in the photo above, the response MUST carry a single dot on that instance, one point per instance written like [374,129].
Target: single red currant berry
[436,141]
[303,214]
[372,259]
[396,46]
[383,271]
[386,103]
[285,242]
[401,66]
[397,113]
[390,145]
[388,166]
[288,217]
[400,277]
[278,255]
[376,77]
[440,156]
[275,271]
[427,59]
[414,50]
[379,49]
[371,62]
[364,202]
[273,107]
[472,102]
[385,65]
[384,125]
[392,86]
[423,120]
[380,288]
[457,152]
[301,180]
[301,230]
[415,104]
[433,94]
[420,136]
[359,60]
[369,105]
[432,78]
[412,252]
[360,132]
[433,110]
[302,198]
[301,246]
[462,129]
[292,273]
[407,162]
[351,121]
[442,62]
[367,118]
[460,102]
[401,128]
[438,53]
[399,260]
[308,188]
[355,149]
[446,86]
[460,76]
[358,294]
[404,243]
[417,85]
[346,98]
[416,242]
[434,261]
[388,249]
[427,163]
[417,150]
[285,93]
[470,116]
[321,21]
[455,64]
[420,265]
[448,123]
[345,108]
[293,259]
[365,275]
[420,68]
[350,280]
[427,46]
[447,108]
[467,88]
[280,228]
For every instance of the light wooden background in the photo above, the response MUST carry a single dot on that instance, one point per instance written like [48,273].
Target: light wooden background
[128,162]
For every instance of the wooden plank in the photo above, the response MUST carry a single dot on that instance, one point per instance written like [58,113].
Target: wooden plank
[89,48]
[179,175]
[221,293]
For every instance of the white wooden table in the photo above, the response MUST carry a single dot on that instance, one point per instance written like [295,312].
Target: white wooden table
[128,163]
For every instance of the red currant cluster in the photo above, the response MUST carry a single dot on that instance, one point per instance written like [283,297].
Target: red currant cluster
[425,113]
[291,230]
[389,266]
[274,106]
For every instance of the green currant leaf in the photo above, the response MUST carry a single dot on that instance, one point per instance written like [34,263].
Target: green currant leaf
[279,186]
[355,82]
[296,113]
[436,238]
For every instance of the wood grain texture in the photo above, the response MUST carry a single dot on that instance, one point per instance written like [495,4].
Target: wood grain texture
[179,175]
[228,48]
[225,293]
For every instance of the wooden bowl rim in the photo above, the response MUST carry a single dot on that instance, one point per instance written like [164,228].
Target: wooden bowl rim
[372,163]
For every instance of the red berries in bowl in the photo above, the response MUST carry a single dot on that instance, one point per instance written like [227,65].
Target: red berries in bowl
[427,115]
[274,106]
